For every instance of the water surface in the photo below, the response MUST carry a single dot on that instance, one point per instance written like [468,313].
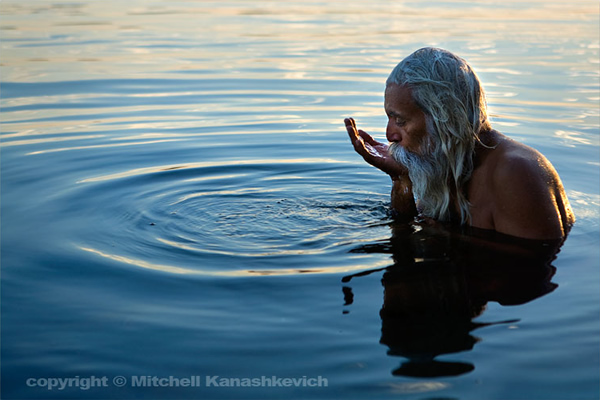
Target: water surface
[179,198]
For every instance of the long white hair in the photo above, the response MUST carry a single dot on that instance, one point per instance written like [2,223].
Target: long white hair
[450,94]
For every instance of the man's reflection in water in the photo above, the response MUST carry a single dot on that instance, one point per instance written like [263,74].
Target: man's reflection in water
[440,281]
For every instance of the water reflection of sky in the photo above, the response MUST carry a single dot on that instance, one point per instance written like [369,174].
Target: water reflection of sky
[287,39]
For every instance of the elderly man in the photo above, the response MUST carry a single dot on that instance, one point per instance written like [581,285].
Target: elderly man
[444,152]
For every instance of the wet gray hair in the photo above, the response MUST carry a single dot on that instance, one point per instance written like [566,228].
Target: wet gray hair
[451,96]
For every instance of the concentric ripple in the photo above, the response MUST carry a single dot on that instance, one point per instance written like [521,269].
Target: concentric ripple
[222,219]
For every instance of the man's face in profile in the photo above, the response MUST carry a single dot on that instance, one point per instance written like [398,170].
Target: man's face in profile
[411,144]
[406,121]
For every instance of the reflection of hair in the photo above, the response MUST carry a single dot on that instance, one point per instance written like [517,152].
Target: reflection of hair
[449,93]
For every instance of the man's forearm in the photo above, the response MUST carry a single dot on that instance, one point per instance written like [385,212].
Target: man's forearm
[403,202]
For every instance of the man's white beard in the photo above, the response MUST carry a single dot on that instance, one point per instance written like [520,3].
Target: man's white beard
[428,173]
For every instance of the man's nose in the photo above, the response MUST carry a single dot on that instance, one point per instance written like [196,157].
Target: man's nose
[392,133]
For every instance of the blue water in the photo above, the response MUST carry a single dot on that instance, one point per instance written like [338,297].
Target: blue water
[179,199]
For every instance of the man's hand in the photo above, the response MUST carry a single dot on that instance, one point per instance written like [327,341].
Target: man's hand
[373,152]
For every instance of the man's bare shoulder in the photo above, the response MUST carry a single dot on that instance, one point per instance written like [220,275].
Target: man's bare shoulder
[521,165]
[528,196]
[506,165]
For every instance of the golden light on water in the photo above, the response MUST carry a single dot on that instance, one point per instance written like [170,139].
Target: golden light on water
[255,32]
[240,163]
[170,269]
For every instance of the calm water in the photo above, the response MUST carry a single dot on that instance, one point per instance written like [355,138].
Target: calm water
[179,198]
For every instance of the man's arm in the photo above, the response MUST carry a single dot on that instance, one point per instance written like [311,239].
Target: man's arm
[403,201]
[376,154]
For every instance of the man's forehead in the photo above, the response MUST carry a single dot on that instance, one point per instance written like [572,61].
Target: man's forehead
[398,98]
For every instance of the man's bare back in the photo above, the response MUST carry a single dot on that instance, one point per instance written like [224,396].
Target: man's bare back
[515,190]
